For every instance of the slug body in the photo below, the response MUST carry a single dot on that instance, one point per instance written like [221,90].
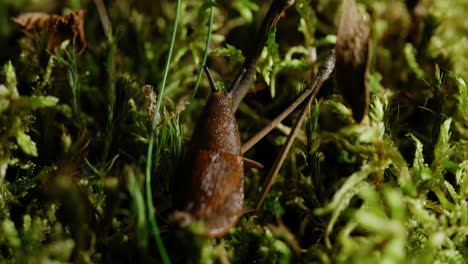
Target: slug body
[214,184]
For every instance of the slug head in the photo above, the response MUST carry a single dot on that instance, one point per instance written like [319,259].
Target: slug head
[217,127]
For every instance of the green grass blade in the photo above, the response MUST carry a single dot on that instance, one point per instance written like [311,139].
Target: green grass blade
[149,159]
[205,54]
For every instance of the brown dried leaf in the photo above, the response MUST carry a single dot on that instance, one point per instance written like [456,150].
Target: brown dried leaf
[34,21]
[352,47]
[68,27]
[59,28]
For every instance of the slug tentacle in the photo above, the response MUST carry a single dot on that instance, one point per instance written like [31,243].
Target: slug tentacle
[238,80]
[213,86]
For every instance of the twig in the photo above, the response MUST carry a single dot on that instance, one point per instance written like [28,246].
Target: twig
[105,22]
[240,89]
[324,73]
[325,70]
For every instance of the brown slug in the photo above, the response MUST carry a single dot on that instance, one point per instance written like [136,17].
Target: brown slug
[211,188]
[214,193]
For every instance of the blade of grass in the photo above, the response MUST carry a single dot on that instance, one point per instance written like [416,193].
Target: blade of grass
[205,54]
[111,45]
[69,60]
[149,158]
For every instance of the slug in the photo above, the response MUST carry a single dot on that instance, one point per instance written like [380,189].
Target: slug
[211,189]
[214,188]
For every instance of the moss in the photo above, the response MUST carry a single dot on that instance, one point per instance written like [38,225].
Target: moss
[74,129]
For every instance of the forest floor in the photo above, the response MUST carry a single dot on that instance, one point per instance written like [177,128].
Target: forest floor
[83,181]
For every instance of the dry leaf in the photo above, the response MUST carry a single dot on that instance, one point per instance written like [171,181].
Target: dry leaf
[69,27]
[352,47]
[59,28]
[34,21]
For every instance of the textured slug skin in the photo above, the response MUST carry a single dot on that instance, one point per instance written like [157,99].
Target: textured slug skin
[214,187]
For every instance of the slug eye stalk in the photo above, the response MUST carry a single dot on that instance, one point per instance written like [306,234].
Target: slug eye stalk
[238,80]
[214,87]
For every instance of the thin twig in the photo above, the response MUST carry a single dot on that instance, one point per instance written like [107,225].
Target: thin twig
[325,70]
[240,89]
[101,8]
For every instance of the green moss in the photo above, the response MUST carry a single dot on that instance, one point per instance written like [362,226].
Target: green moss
[74,129]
